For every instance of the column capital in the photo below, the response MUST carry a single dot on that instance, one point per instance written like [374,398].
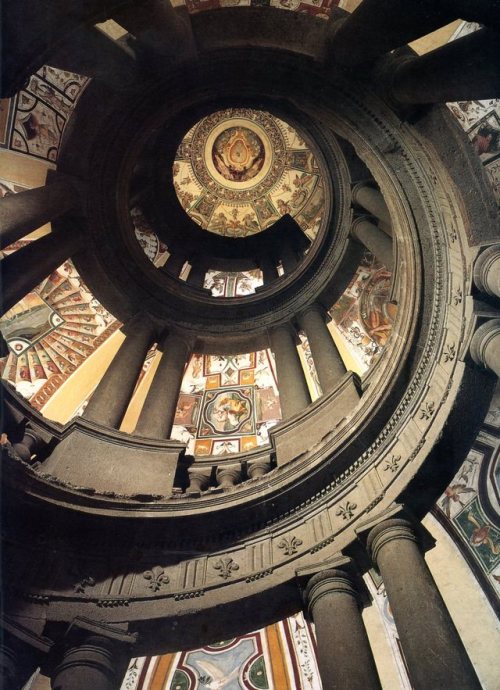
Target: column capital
[258,468]
[228,475]
[482,339]
[285,327]
[174,335]
[486,276]
[387,531]
[362,184]
[86,627]
[139,320]
[93,655]
[329,582]
[199,480]
[360,218]
[316,308]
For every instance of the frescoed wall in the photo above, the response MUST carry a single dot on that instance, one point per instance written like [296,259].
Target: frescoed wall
[51,332]
[481,121]
[469,509]
[152,246]
[228,403]
[32,122]
[233,284]
[279,657]
[364,315]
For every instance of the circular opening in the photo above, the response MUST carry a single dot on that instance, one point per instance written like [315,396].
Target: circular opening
[239,170]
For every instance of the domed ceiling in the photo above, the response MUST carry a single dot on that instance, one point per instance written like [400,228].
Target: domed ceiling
[237,171]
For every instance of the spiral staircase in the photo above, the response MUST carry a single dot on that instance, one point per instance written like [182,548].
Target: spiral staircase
[123,544]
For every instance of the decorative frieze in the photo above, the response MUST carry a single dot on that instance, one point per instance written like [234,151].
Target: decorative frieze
[289,545]
[156,577]
[226,566]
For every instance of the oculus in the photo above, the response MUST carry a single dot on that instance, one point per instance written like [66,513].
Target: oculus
[239,170]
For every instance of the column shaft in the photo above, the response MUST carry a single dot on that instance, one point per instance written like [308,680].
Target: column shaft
[95,664]
[197,274]
[375,240]
[26,211]
[345,658]
[163,29]
[433,650]
[327,360]
[25,268]
[294,394]
[16,667]
[92,53]
[462,70]
[110,400]
[158,412]
[367,34]
[288,258]
[174,264]
[372,201]
[268,267]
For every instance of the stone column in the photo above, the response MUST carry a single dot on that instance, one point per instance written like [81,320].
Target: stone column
[92,53]
[372,201]
[93,663]
[462,70]
[29,445]
[110,400]
[26,211]
[258,469]
[327,360]
[268,267]
[25,268]
[17,664]
[163,29]
[199,480]
[174,264]
[294,394]
[374,239]
[485,346]
[345,658]
[228,476]
[367,33]
[433,650]
[288,258]
[158,412]
[487,271]
[198,271]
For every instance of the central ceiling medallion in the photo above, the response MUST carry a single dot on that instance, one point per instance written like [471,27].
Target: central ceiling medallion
[238,154]
[237,171]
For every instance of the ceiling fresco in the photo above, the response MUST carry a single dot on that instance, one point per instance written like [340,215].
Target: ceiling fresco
[32,122]
[51,332]
[279,657]
[152,246]
[233,283]
[364,314]
[481,121]
[239,170]
[469,509]
[320,8]
[227,404]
